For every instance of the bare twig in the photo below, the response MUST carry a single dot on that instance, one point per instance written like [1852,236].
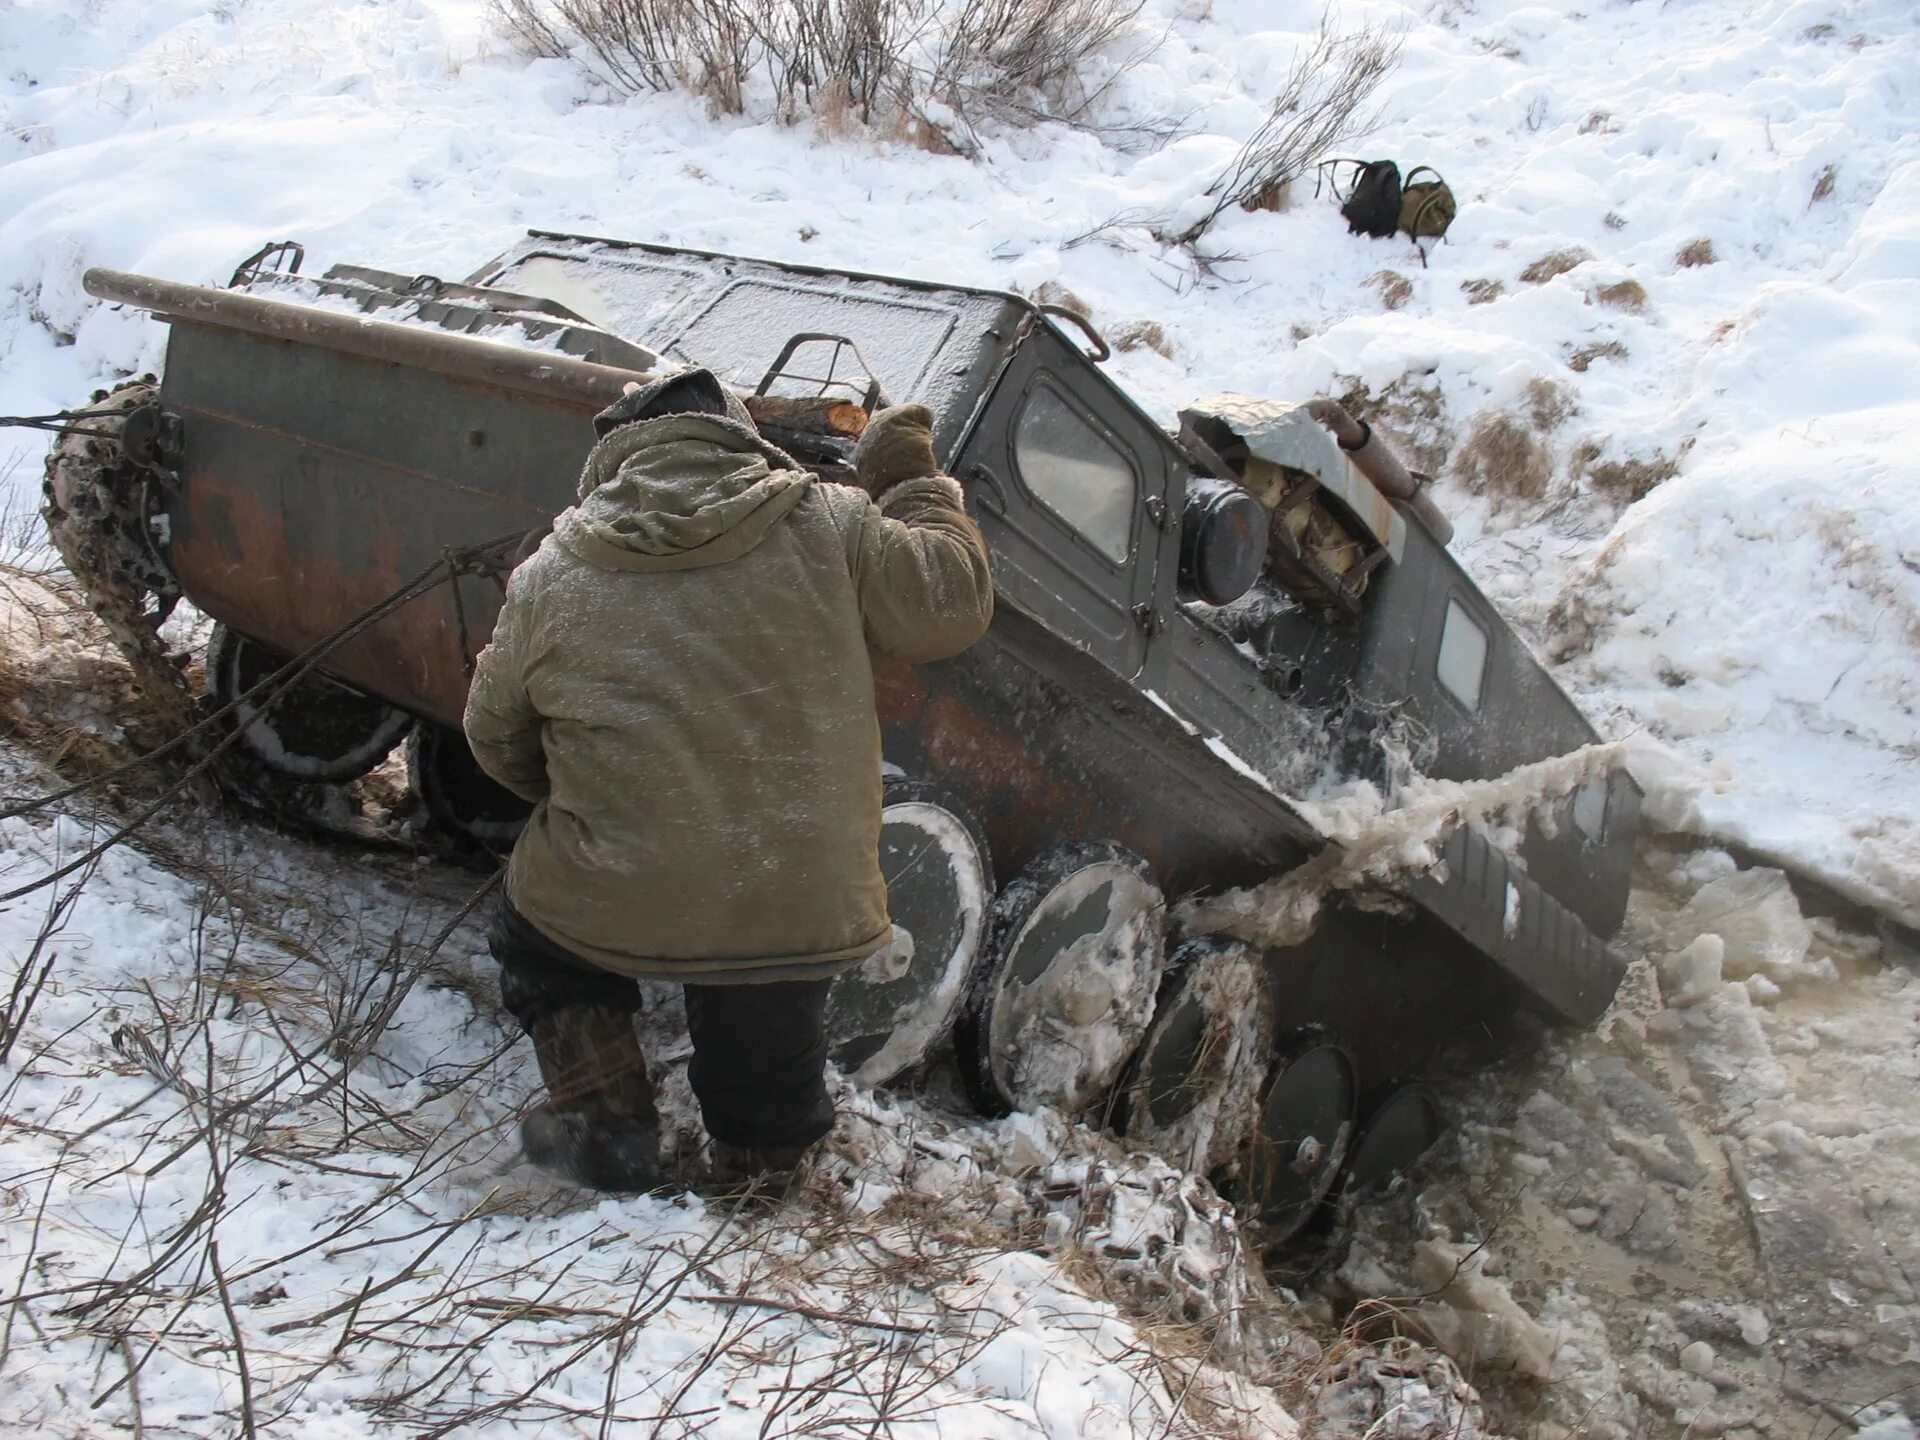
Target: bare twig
[1322,106]
[239,1340]
[811,1312]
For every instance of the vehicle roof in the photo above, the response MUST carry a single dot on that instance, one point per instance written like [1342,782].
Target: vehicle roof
[937,344]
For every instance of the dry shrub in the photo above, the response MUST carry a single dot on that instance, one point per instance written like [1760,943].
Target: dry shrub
[996,53]
[840,59]
[1323,105]
[1482,292]
[528,27]
[1141,335]
[1587,354]
[1395,289]
[1555,262]
[1628,295]
[1549,403]
[1504,458]
[1695,253]
[868,61]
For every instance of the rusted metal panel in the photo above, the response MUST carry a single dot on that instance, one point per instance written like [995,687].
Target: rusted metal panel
[1046,745]
[316,484]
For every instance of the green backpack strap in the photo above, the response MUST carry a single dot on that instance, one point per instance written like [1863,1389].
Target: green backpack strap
[1427,208]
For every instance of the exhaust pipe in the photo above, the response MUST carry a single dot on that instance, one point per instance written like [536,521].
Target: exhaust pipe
[1374,458]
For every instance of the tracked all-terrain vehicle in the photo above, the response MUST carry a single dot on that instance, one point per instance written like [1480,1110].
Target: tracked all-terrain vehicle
[1194,631]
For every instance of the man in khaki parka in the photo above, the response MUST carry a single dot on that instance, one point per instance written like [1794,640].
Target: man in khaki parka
[680,681]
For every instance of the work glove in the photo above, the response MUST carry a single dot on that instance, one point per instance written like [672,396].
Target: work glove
[896,445]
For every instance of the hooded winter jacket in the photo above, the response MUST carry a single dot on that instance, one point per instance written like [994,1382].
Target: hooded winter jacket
[680,680]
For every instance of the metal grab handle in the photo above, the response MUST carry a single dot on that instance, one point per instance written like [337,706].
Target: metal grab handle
[1101,350]
[982,485]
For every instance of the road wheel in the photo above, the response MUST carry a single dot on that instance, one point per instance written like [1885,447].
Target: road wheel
[1195,1084]
[887,1013]
[459,796]
[1303,1133]
[1399,1124]
[316,728]
[1066,983]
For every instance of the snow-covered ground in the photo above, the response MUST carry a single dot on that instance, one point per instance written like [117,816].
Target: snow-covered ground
[1664,366]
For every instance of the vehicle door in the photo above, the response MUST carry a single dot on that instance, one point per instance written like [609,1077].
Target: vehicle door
[1069,485]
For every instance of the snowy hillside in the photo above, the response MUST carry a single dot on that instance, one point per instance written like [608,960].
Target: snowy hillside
[1664,367]
[1760,609]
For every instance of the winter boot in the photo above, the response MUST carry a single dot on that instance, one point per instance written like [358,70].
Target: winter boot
[760,1174]
[598,1127]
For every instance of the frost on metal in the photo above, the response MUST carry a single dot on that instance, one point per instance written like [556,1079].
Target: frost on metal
[1061,1040]
[1379,842]
[1231,991]
[925,1014]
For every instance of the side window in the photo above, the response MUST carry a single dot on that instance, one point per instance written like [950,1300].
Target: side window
[1590,809]
[1462,664]
[1076,471]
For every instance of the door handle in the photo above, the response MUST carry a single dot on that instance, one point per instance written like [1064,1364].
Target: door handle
[980,482]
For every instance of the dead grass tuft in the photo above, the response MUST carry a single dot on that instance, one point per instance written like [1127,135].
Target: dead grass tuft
[1142,335]
[1627,295]
[1555,262]
[1482,292]
[1549,403]
[1395,289]
[1272,197]
[1624,481]
[1410,413]
[51,647]
[1052,292]
[1503,458]
[1587,354]
[1695,253]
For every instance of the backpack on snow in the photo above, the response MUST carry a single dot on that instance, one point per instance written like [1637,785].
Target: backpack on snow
[1426,206]
[1372,204]
[1378,204]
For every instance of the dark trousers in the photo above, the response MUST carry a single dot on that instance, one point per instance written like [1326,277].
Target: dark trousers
[759,1051]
